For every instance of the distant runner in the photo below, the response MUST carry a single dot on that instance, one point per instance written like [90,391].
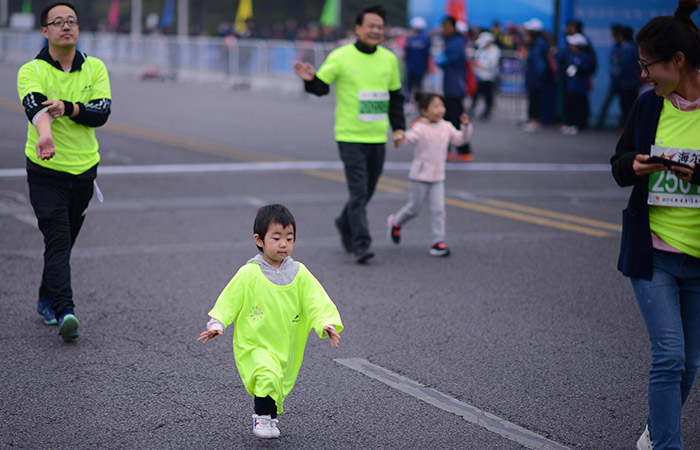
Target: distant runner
[368,98]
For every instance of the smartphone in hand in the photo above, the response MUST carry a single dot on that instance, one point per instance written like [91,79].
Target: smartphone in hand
[666,162]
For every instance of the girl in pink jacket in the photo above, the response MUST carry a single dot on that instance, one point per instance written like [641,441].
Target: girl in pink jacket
[432,136]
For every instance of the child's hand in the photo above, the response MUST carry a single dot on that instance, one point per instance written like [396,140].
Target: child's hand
[333,335]
[398,137]
[209,335]
[464,119]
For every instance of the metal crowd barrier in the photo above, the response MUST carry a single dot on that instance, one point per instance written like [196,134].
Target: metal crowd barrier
[243,63]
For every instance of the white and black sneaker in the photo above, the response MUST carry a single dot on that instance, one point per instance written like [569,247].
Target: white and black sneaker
[262,427]
[274,425]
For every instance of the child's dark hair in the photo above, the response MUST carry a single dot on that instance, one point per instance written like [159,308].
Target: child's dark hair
[45,12]
[663,36]
[272,214]
[376,9]
[424,98]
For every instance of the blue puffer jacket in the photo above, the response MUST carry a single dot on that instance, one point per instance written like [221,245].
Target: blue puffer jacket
[417,53]
[580,81]
[538,71]
[453,62]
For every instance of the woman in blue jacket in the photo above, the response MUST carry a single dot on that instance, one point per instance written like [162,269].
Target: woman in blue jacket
[577,68]
[538,73]
[660,249]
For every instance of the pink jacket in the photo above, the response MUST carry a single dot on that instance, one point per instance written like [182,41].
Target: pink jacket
[432,142]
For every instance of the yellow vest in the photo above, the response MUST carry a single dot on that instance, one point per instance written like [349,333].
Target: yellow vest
[76,145]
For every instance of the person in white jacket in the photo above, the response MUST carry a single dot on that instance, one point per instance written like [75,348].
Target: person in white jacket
[487,60]
[432,136]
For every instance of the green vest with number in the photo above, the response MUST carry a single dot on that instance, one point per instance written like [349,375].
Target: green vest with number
[362,85]
[678,226]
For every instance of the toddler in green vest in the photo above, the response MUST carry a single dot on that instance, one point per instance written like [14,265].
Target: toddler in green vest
[274,302]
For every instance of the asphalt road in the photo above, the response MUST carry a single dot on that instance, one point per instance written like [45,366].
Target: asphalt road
[528,320]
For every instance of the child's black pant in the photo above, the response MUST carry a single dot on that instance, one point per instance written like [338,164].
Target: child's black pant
[265,406]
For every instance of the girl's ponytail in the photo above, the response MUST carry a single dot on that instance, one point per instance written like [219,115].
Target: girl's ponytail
[663,36]
[683,13]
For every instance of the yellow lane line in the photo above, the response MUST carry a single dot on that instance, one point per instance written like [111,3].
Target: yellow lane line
[157,137]
[333,175]
[385,184]
[498,208]
[526,218]
[554,215]
[11,106]
[196,145]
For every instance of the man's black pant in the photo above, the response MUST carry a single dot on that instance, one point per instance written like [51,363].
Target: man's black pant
[363,166]
[534,104]
[453,109]
[60,213]
[577,109]
[485,90]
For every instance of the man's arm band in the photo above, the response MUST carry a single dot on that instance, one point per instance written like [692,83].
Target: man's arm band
[69,108]
[32,103]
[94,113]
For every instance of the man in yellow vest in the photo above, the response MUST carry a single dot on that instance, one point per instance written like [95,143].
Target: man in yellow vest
[368,99]
[65,94]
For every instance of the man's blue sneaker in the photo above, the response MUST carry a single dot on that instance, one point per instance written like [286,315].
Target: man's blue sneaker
[43,307]
[68,326]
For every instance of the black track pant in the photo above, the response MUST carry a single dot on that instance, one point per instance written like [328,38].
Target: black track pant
[363,166]
[265,406]
[60,212]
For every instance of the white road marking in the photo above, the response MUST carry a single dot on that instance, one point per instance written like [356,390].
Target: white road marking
[470,413]
[327,165]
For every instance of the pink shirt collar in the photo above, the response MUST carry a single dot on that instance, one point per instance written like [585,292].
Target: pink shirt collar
[683,104]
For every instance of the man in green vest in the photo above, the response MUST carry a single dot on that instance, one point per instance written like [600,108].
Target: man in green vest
[65,94]
[368,99]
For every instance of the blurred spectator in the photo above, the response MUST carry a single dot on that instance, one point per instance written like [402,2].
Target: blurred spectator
[249,32]
[538,73]
[615,57]
[578,72]
[277,31]
[291,29]
[453,61]
[327,34]
[225,29]
[417,55]
[576,27]
[572,27]
[503,40]
[629,80]
[515,36]
[486,66]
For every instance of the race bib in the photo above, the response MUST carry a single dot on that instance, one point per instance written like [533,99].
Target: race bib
[665,189]
[374,106]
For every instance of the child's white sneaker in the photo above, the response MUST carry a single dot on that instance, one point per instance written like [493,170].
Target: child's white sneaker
[262,427]
[274,426]
[644,442]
